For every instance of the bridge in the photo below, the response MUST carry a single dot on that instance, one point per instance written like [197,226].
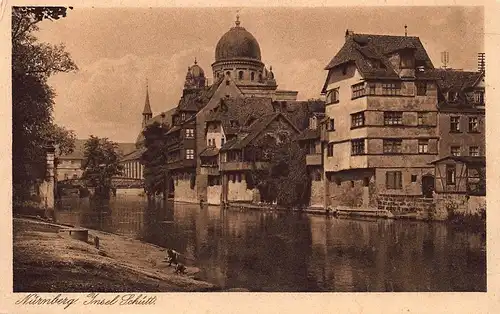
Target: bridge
[116,182]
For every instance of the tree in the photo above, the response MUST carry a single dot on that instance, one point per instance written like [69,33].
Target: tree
[100,164]
[32,98]
[286,179]
[154,158]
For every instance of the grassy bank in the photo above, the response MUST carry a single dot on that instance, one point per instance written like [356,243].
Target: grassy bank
[48,261]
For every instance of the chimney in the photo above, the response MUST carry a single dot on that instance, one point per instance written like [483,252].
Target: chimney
[481,62]
[348,33]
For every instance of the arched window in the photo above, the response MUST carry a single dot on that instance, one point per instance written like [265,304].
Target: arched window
[240,75]
[228,73]
[252,76]
[260,76]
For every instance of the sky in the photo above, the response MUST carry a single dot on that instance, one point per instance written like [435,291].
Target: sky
[118,49]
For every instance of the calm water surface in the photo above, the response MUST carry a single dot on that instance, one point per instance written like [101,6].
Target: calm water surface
[276,251]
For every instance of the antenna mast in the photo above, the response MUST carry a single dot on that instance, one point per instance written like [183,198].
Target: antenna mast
[445,58]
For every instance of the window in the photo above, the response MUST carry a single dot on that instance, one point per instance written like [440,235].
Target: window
[392,146]
[189,133]
[421,88]
[357,119]
[358,90]
[393,180]
[238,177]
[332,96]
[357,147]
[338,182]
[260,76]
[329,150]
[366,181]
[452,96]
[331,125]
[391,89]
[393,118]
[222,142]
[423,146]
[454,124]
[240,75]
[228,73]
[451,174]
[227,82]
[372,89]
[252,76]
[231,178]
[189,153]
[479,97]
[473,125]
[455,150]
[407,61]
[420,118]
[183,116]
[413,178]
[317,176]
[474,151]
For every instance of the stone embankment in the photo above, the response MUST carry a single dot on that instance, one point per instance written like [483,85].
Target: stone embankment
[47,260]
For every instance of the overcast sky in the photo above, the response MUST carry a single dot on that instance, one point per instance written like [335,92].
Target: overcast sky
[117,49]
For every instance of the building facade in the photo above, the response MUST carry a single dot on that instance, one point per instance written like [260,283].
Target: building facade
[381,128]
[461,113]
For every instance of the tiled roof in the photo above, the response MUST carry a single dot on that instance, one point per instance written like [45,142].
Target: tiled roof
[308,134]
[136,154]
[370,54]
[210,151]
[449,79]
[457,81]
[198,99]
[470,160]
[254,130]
[78,152]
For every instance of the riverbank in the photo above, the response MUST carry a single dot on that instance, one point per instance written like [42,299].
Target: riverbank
[46,260]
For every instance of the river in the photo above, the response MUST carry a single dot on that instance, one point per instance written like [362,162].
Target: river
[281,251]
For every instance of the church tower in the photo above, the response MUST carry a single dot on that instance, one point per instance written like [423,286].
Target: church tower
[147,114]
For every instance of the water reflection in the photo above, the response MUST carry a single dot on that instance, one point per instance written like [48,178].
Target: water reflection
[275,251]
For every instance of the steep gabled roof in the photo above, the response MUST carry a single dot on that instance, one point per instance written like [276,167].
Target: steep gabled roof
[255,129]
[197,99]
[460,82]
[370,54]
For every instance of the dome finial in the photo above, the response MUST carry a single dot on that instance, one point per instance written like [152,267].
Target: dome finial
[195,62]
[237,18]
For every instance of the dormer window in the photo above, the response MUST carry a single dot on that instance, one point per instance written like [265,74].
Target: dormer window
[407,60]
[228,73]
[479,97]
[240,75]
[452,96]
[312,123]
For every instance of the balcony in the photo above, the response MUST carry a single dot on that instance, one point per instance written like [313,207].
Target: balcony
[314,160]
[208,170]
[243,165]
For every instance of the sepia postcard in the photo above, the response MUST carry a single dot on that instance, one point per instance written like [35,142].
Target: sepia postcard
[234,157]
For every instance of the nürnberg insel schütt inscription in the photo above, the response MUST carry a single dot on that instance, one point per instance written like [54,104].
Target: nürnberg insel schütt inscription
[89,299]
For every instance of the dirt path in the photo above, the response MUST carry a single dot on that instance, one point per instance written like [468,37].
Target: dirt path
[48,261]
